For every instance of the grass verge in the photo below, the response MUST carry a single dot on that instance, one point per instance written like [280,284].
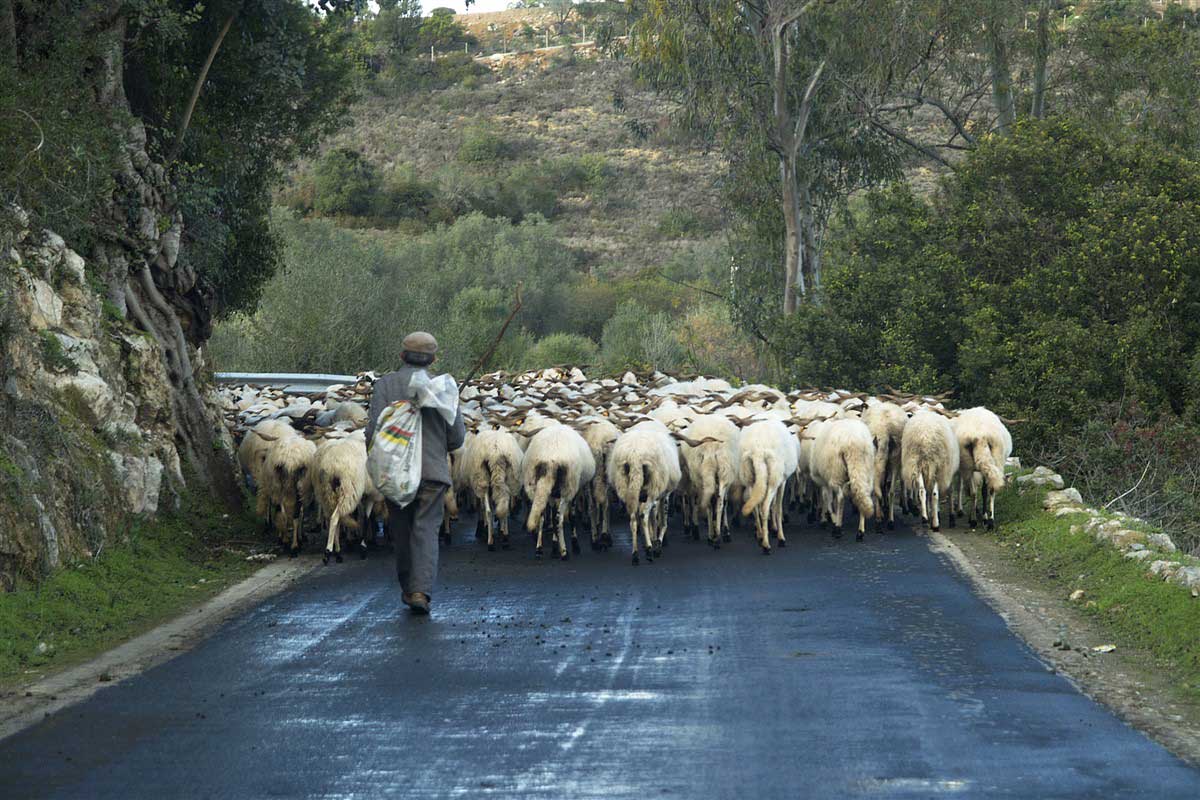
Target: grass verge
[1138,609]
[162,567]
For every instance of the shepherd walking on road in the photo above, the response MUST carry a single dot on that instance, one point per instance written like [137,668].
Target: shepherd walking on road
[414,528]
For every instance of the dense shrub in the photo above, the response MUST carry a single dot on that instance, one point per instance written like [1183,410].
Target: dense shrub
[482,145]
[680,223]
[344,182]
[636,337]
[1057,270]
[562,348]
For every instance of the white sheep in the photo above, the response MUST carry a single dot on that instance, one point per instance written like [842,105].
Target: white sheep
[340,482]
[600,435]
[491,468]
[886,421]
[557,463]
[767,458]
[929,461]
[252,452]
[710,453]
[643,470]
[286,483]
[984,444]
[843,463]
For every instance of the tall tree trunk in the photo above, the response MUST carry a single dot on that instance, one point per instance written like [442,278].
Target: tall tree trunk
[1001,71]
[138,251]
[8,32]
[794,286]
[1041,54]
[809,240]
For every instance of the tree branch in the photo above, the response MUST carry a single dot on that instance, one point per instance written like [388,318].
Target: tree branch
[186,119]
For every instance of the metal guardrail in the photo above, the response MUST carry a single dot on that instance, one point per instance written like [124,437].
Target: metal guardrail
[287,381]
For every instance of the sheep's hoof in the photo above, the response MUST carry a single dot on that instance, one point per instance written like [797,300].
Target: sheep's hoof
[891,526]
[836,533]
[658,552]
[991,524]
[491,548]
[635,559]
[858,537]
[934,528]
[575,546]
[728,537]
[971,522]
[293,551]
[781,543]
[325,558]
[362,550]
[564,556]
[537,552]
[766,551]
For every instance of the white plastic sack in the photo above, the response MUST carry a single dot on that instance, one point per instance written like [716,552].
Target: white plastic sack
[394,458]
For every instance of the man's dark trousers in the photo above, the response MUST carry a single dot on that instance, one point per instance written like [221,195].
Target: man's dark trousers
[414,531]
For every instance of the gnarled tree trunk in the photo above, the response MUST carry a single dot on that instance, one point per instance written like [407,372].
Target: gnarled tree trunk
[139,253]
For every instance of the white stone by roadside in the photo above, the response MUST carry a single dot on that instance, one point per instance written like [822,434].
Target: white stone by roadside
[34,703]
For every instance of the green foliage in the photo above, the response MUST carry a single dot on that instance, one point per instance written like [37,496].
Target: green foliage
[343,301]
[482,145]
[162,567]
[636,337]
[559,349]
[1057,270]
[345,183]
[58,148]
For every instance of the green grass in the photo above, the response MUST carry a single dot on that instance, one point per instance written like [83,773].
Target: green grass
[165,566]
[1140,611]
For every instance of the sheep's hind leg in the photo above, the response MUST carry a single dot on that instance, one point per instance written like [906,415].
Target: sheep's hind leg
[562,534]
[935,502]
[487,518]
[334,520]
[648,532]
[633,533]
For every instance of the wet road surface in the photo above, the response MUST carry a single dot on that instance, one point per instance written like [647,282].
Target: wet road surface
[829,669]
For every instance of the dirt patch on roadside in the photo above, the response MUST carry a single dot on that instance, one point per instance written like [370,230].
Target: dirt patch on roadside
[1127,680]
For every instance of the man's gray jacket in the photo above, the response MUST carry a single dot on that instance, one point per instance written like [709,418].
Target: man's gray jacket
[437,438]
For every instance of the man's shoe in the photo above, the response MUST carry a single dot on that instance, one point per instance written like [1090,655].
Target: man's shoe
[417,602]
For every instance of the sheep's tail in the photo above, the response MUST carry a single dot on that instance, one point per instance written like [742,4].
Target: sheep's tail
[859,476]
[542,487]
[708,475]
[498,485]
[635,477]
[992,472]
[758,490]
[346,503]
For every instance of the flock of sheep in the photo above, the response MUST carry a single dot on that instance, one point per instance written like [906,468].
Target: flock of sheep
[566,447]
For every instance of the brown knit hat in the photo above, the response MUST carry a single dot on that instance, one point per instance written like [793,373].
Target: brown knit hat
[419,342]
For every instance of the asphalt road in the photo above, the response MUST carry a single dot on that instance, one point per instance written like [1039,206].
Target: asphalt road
[829,669]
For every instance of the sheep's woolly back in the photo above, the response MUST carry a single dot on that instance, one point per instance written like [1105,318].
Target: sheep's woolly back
[844,457]
[808,443]
[886,421]
[643,466]
[984,445]
[765,452]
[600,435]
[711,464]
[350,412]
[929,451]
[557,461]
[252,452]
[340,476]
[288,461]
[491,466]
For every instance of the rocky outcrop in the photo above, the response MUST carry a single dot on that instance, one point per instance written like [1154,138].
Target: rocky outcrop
[87,433]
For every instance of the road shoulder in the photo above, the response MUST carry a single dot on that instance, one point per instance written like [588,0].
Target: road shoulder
[1126,680]
[32,703]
